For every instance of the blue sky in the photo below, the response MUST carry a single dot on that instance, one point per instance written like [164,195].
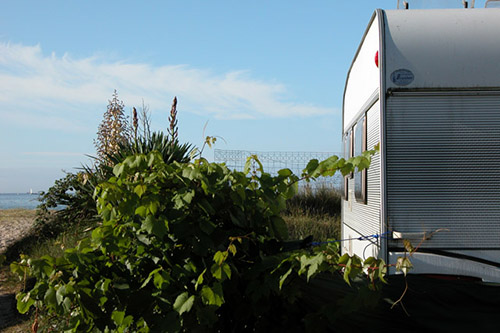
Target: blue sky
[265,75]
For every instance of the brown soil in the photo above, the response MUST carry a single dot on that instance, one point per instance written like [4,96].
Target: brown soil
[14,225]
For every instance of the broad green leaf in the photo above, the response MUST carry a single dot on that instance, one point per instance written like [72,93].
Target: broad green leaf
[221,272]
[363,163]
[347,270]
[158,280]
[353,267]
[311,167]
[118,316]
[346,168]
[403,264]
[18,269]
[212,296]
[135,161]
[284,276]
[216,271]
[344,259]
[248,164]
[153,207]
[227,270]
[121,286]
[329,166]
[183,303]
[67,304]
[313,267]
[143,239]
[152,157]
[150,276]
[50,297]
[285,172]
[60,293]
[260,168]
[232,248]
[375,269]
[102,300]
[311,264]
[24,302]
[127,321]
[118,169]
[199,281]
[291,190]
[408,246]
[382,271]
[155,227]
[220,257]
[140,190]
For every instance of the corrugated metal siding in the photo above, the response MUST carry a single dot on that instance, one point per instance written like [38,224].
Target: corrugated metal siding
[365,218]
[443,167]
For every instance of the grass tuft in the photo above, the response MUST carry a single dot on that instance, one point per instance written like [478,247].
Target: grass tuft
[314,212]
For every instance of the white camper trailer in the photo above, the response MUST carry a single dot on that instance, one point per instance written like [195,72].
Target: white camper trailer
[425,84]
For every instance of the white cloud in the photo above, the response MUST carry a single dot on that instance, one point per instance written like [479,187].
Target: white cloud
[33,82]
[47,120]
[53,154]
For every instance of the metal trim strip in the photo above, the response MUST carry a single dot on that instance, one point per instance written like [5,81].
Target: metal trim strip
[384,254]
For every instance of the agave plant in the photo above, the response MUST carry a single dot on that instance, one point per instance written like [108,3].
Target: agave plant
[170,150]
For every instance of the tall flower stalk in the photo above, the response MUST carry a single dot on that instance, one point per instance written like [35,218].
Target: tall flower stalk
[113,130]
[172,119]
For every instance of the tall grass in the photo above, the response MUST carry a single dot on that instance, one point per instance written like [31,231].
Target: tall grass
[314,212]
[323,200]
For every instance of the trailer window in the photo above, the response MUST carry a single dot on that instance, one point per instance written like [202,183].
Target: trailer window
[359,148]
[350,148]
[348,153]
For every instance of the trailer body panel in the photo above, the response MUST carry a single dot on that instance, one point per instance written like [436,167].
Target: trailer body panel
[445,48]
[433,104]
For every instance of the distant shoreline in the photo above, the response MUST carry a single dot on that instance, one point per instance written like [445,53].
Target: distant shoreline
[19,200]
[21,193]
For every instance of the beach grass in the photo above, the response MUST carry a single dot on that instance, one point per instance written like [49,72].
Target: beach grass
[321,227]
[314,212]
[55,247]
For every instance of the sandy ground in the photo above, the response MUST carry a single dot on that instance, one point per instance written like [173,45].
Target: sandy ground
[14,224]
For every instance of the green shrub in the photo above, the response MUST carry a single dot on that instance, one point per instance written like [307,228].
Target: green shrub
[70,200]
[177,242]
[186,247]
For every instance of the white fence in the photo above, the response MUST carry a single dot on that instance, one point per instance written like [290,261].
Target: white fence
[273,161]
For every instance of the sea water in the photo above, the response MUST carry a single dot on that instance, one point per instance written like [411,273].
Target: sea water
[18,200]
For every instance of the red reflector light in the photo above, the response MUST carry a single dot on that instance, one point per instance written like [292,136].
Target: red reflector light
[376,58]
